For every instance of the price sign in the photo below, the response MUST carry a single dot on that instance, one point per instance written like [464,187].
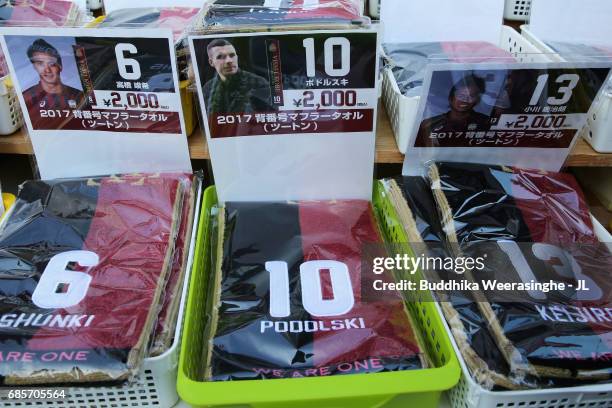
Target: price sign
[516,114]
[289,115]
[107,96]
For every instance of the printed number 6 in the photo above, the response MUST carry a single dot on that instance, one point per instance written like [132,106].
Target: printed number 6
[123,63]
[46,294]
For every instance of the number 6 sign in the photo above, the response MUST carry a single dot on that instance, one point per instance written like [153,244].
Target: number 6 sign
[48,293]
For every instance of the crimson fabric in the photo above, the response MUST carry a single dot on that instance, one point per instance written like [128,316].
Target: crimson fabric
[37,98]
[256,233]
[128,222]
[44,12]
[167,316]
[489,204]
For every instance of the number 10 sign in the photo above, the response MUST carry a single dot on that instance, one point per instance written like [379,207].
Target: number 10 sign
[107,98]
[302,103]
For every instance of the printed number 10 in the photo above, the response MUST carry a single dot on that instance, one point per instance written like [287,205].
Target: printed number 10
[328,54]
[312,293]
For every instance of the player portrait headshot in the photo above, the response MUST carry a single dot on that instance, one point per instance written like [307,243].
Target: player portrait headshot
[50,92]
[461,115]
[232,89]
[47,73]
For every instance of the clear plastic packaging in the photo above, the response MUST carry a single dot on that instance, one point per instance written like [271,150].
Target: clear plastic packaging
[409,61]
[166,323]
[414,204]
[49,12]
[289,297]
[84,264]
[490,211]
[260,15]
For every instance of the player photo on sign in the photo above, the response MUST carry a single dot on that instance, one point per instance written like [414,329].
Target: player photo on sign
[286,83]
[507,107]
[96,84]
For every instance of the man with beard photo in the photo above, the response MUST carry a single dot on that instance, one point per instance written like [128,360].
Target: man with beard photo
[463,98]
[233,90]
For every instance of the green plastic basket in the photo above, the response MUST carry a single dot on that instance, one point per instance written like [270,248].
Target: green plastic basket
[418,388]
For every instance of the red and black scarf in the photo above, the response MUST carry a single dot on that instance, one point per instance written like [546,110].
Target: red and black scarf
[248,343]
[560,336]
[130,223]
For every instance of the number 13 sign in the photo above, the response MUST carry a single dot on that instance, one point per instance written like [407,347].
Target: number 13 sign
[513,114]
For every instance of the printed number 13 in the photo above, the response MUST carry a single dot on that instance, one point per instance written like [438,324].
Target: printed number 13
[566,91]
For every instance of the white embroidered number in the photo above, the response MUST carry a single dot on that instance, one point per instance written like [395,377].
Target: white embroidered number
[341,303]
[49,293]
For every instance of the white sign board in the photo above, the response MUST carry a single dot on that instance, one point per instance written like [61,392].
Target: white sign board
[289,116]
[531,118]
[98,101]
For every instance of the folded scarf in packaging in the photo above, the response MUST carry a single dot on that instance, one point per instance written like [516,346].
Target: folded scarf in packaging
[414,204]
[291,299]
[409,61]
[227,15]
[83,266]
[490,210]
[166,323]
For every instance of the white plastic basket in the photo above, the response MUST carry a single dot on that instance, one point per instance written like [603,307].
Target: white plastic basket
[10,113]
[468,394]
[517,10]
[156,384]
[599,120]
[402,110]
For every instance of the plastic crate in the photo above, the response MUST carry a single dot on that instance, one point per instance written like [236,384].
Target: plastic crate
[10,113]
[469,394]
[402,110]
[154,387]
[599,119]
[517,10]
[417,388]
